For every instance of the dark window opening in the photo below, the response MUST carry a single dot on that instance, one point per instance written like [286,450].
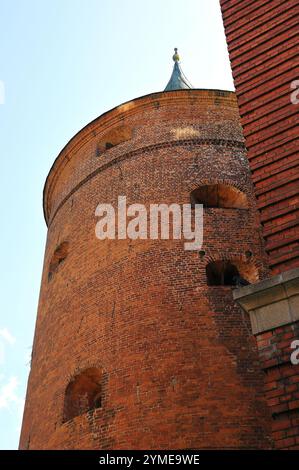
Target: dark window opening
[83,393]
[224,273]
[97,402]
[108,145]
[219,196]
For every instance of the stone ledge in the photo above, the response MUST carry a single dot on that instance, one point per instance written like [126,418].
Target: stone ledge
[271,303]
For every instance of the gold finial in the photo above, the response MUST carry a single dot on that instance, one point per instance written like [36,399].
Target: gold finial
[176,56]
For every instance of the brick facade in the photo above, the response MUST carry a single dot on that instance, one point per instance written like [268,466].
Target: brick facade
[173,358]
[281,383]
[262,38]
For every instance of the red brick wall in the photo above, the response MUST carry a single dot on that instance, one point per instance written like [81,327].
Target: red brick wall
[180,367]
[262,38]
[281,383]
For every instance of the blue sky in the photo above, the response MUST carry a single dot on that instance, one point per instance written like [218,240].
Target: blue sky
[63,63]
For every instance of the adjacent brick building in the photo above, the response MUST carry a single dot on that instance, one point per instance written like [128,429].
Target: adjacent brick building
[262,38]
[139,343]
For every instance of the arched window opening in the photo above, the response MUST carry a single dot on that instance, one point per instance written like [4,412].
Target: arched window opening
[114,137]
[83,393]
[58,257]
[225,273]
[219,196]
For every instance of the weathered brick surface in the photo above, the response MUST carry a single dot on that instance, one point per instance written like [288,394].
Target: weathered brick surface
[281,383]
[262,40]
[180,367]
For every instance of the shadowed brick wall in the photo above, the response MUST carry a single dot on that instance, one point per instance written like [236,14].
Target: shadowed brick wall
[281,383]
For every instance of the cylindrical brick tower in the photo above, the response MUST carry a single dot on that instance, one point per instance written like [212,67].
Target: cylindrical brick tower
[138,343]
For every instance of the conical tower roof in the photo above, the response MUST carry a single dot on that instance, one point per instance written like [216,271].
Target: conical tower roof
[177,81]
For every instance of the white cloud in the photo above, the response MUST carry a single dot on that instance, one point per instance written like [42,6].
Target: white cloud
[5,334]
[11,402]
[5,337]
[7,393]
[9,396]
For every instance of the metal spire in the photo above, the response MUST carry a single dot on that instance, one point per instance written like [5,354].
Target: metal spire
[177,81]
